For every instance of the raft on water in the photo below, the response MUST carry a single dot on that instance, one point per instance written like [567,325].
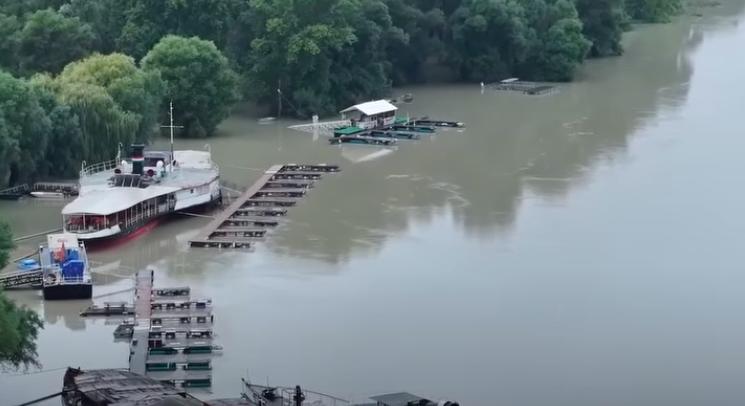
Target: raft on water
[362,139]
[436,123]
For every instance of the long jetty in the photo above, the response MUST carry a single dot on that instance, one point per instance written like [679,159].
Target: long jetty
[248,218]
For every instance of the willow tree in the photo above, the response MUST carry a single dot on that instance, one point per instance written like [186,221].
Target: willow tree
[115,101]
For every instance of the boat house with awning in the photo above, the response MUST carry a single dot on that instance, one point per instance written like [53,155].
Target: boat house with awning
[371,114]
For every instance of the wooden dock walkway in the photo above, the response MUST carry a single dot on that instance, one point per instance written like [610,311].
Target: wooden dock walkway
[139,345]
[247,219]
[21,279]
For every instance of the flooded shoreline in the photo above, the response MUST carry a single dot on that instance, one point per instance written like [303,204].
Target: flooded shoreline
[573,249]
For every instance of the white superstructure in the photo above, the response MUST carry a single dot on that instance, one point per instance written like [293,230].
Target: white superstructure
[119,196]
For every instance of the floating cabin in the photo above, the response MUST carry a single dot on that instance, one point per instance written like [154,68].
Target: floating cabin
[366,116]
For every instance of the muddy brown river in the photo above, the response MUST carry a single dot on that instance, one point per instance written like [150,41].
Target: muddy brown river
[581,248]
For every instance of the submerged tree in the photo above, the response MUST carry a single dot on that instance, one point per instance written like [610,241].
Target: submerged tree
[19,326]
[320,54]
[602,22]
[652,10]
[198,80]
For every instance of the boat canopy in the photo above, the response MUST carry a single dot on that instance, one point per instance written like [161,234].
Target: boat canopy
[55,241]
[114,200]
[372,108]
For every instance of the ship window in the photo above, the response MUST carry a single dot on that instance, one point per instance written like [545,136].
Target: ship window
[192,191]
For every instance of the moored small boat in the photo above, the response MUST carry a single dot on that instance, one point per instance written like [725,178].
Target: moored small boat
[48,195]
[28,264]
[64,263]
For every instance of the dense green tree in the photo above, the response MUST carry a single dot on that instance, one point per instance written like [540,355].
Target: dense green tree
[198,80]
[10,26]
[602,22]
[489,38]
[557,45]
[24,128]
[105,17]
[22,7]
[652,10]
[147,21]
[19,326]
[314,55]
[49,41]
[321,54]
[412,40]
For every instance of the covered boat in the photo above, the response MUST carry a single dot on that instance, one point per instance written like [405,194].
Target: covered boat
[64,264]
[124,195]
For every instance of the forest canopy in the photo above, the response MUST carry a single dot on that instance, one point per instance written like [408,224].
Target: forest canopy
[315,56]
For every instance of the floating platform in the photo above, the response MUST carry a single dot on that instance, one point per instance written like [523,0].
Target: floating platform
[109,309]
[282,192]
[258,221]
[288,183]
[524,87]
[166,321]
[261,211]
[247,219]
[435,123]
[362,139]
[392,133]
[415,128]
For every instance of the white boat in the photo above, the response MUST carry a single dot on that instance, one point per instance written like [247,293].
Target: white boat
[121,196]
[48,195]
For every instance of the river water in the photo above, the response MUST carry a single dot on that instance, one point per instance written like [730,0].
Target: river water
[574,249]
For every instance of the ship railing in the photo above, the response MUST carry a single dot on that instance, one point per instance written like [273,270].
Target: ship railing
[88,170]
[62,280]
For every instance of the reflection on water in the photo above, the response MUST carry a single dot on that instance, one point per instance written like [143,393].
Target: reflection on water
[66,312]
[541,256]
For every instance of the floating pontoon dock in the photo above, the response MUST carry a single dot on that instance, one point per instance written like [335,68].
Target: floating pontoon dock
[529,88]
[248,218]
[169,329]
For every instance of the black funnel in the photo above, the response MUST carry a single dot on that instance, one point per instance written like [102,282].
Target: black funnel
[138,159]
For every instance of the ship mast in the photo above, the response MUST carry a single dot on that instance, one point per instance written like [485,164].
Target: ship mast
[171,127]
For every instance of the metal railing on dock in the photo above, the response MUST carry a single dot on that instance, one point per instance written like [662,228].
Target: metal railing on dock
[21,279]
[67,188]
[243,223]
[15,192]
